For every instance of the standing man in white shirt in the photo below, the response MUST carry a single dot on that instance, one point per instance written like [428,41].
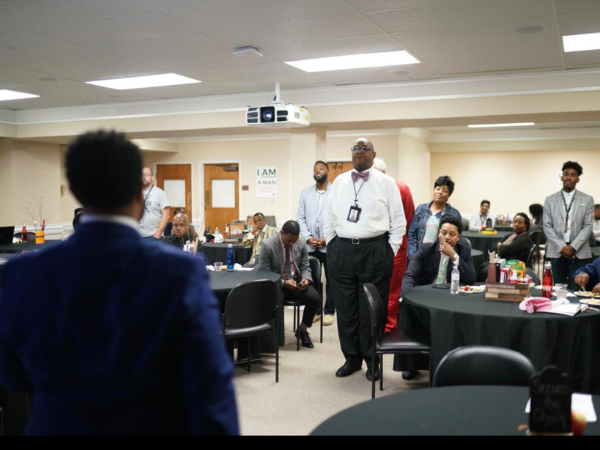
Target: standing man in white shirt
[485,217]
[363,230]
[156,207]
[568,222]
[310,217]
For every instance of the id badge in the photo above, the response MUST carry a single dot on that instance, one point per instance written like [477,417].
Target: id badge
[567,237]
[354,214]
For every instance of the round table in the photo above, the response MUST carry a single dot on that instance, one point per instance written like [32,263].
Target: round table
[485,242]
[218,253]
[503,228]
[570,343]
[454,410]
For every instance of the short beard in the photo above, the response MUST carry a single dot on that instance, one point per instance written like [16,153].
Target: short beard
[320,180]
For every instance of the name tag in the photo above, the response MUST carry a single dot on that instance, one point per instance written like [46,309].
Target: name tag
[354,214]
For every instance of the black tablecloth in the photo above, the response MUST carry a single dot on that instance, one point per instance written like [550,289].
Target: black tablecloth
[29,245]
[485,242]
[477,259]
[503,228]
[221,283]
[571,343]
[455,410]
[218,252]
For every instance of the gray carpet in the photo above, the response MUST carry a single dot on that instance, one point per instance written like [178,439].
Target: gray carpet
[308,391]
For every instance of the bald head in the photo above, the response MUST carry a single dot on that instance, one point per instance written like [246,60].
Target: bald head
[380,165]
[181,225]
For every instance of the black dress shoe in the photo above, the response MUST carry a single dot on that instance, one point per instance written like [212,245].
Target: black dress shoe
[377,374]
[304,338]
[410,374]
[348,369]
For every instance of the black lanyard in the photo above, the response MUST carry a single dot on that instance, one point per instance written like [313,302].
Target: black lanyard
[148,194]
[356,193]
[567,209]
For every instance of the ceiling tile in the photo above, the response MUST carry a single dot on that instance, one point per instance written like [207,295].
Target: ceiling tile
[205,61]
[351,46]
[267,83]
[40,14]
[12,76]
[8,30]
[149,26]
[378,75]
[170,5]
[589,58]
[579,23]
[383,5]
[168,47]
[477,32]
[105,72]
[574,6]
[307,31]
[494,49]
[459,13]
[64,60]
[187,90]
[25,44]
[260,12]
[229,73]
[483,66]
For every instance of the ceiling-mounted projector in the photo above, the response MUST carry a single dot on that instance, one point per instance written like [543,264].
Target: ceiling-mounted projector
[277,114]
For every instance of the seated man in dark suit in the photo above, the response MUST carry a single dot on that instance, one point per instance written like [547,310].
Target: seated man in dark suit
[181,233]
[286,254]
[425,268]
[119,335]
[433,263]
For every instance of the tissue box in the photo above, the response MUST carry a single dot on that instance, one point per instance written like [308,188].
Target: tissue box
[507,292]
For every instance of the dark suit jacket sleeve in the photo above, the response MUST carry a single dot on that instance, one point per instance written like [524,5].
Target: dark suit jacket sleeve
[266,254]
[206,367]
[520,245]
[466,267]
[411,276]
[304,264]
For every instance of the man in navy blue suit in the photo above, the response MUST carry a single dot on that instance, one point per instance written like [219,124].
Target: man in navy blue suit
[114,334]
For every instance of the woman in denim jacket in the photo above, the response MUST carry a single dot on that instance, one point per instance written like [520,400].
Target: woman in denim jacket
[425,223]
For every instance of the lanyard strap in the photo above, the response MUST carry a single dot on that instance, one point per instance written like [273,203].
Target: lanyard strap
[568,209]
[356,193]
[148,194]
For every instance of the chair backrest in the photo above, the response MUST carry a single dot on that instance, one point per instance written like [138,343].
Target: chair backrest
[207,230]
[376,311]
[465,225]
[534,276]
[250,304]
[315,269]
[466,241]
[483,365]
[529,262]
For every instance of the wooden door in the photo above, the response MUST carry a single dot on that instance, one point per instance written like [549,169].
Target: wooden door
[221,195]
[336,168]
[178,181]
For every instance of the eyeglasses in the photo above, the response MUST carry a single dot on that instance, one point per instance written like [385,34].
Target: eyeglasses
[357,149]
[144,175]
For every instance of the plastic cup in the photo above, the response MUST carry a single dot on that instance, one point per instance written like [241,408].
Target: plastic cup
[218,266]
[561,292]
[40,237]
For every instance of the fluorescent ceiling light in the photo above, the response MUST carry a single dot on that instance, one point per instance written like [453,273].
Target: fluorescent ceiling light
[581,42]
[166,79]
[496,125]
[6,95]
[355,61]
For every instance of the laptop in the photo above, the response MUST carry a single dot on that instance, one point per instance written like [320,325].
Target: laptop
[6,235]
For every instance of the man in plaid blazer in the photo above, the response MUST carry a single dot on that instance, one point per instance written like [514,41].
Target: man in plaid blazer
[568,223]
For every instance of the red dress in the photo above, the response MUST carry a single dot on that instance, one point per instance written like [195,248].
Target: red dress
[399,260]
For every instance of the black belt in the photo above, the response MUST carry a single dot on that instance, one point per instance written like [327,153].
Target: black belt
[358,241]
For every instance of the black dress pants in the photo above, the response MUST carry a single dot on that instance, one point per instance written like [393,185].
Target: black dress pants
[329,305]
[309,298]
[350,266]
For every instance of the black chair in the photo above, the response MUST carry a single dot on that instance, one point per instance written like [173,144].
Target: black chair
[465,225]
[483,365]
[250,310]
[529,262]
[315,269]
[466,241]
[532,273]
[207,230]
[394,342]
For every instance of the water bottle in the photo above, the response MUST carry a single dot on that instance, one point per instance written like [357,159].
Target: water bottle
[548,281]
[454,280]
[230,259]
[24,234]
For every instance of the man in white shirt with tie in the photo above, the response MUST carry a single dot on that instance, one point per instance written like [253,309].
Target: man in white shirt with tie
[364,227]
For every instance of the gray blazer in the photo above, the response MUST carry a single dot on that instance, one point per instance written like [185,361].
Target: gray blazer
[310,217]
[581,227]
[271,257]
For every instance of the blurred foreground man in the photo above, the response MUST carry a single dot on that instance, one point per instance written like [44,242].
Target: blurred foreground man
[118,335]
[363,230]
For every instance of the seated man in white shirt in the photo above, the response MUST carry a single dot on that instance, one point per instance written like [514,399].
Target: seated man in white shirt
[596,231]
[484,219]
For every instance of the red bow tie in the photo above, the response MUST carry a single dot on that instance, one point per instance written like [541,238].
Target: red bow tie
[360,176]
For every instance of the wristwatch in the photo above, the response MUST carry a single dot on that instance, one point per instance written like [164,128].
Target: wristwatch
[455,258]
